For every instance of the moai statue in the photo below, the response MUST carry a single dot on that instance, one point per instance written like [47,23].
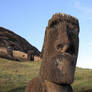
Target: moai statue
[59,55]
[60,49]
[30,55]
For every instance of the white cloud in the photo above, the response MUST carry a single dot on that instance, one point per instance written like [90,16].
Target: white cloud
[82,8]
[85,10]
[90,44]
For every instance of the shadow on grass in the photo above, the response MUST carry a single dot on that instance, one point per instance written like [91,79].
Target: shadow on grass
[90,90]
[21,89]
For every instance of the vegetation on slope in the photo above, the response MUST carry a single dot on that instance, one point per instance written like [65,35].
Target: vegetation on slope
[14,76]
[83,80]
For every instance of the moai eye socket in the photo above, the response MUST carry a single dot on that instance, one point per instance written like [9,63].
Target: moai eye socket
[62,47]
[66,48]
[71,50]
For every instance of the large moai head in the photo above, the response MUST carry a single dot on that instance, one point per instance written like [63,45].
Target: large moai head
[60,49]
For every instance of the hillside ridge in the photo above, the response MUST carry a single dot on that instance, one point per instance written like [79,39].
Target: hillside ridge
[9,39]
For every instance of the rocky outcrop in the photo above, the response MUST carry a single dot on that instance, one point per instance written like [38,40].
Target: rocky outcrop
[59,55]
[12,41]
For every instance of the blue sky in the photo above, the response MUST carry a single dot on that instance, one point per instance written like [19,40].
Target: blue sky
[29,18]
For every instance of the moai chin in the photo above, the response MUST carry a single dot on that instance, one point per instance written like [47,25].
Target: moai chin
[60,49]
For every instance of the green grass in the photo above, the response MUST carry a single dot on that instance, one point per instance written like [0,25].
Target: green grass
[83,80]
[14,76]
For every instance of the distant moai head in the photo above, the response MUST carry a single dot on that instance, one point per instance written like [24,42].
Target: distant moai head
[60,49]
[10,51]
[30,55]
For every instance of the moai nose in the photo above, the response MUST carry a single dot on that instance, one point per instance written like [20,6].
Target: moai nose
[65,48]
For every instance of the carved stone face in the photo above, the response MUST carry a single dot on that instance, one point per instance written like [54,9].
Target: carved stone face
[60,49]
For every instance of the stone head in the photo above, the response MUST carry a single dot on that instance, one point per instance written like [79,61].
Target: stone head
[60,49]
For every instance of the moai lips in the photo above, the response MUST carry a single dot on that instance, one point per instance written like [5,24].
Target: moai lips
[60,49]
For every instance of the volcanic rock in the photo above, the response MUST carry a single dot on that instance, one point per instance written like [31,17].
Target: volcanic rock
[60,49]
[11,41]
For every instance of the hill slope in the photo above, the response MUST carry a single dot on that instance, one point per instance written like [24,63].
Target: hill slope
[14,76]
[11,39]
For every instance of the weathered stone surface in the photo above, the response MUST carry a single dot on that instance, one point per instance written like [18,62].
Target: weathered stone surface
[9,39]
[60,49]
[36,85]
[52,87]
[39,85]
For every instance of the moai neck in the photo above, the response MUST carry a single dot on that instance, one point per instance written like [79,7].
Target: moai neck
[52,87]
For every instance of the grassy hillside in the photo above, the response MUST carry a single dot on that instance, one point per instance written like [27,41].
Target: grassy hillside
[83,80]
[14,76]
